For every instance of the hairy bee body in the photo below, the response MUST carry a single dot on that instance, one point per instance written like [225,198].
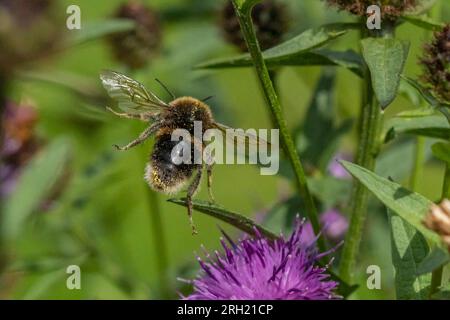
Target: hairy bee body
[162,174]
[183,112]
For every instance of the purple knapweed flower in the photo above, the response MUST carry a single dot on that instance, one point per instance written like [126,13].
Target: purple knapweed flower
[261,269]
[334,227]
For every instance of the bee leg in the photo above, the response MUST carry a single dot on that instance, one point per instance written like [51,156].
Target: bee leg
[142,137]
[209,174]
[209,165]
[192,189]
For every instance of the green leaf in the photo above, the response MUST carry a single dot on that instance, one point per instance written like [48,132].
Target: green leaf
[348,59]
[410,93]
[409,205]
[409,249]
[44,284]
[308,40]
[418,112]
[318,131]
[385,59]
[396,161]
[235,219]
[438,257]
[445,110]
[329,190]
[95,30]
[82,86]
[298,51]
[317,136]
[434,126]
[425,93]
[281,215]
[424,22]
[441,150]
[34,185]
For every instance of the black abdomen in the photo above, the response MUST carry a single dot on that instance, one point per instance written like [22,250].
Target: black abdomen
[162,174]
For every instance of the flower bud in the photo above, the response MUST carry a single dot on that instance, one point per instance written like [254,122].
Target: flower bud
[269,20]
[390,9]
[137,47]
[29,30]
[438,220]
[436,65]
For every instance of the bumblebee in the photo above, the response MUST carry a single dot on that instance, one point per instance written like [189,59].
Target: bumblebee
[161,173]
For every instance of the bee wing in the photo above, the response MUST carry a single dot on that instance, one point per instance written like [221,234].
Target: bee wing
[131,95]
[241,137]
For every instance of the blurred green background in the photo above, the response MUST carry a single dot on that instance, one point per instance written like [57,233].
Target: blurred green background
[107,220]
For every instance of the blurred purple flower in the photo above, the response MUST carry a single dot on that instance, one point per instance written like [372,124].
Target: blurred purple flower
[19,143]
[336,169]
[258,269]
[334,224]
[8,180]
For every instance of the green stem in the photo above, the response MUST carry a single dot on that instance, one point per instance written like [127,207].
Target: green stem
[419,158]
[370,120]
[436,280]
[159,240]
[273,74]
[245,21]
[436,276]
[446,184]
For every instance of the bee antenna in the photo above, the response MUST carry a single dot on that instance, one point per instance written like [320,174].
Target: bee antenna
[165,88]
[207,98]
